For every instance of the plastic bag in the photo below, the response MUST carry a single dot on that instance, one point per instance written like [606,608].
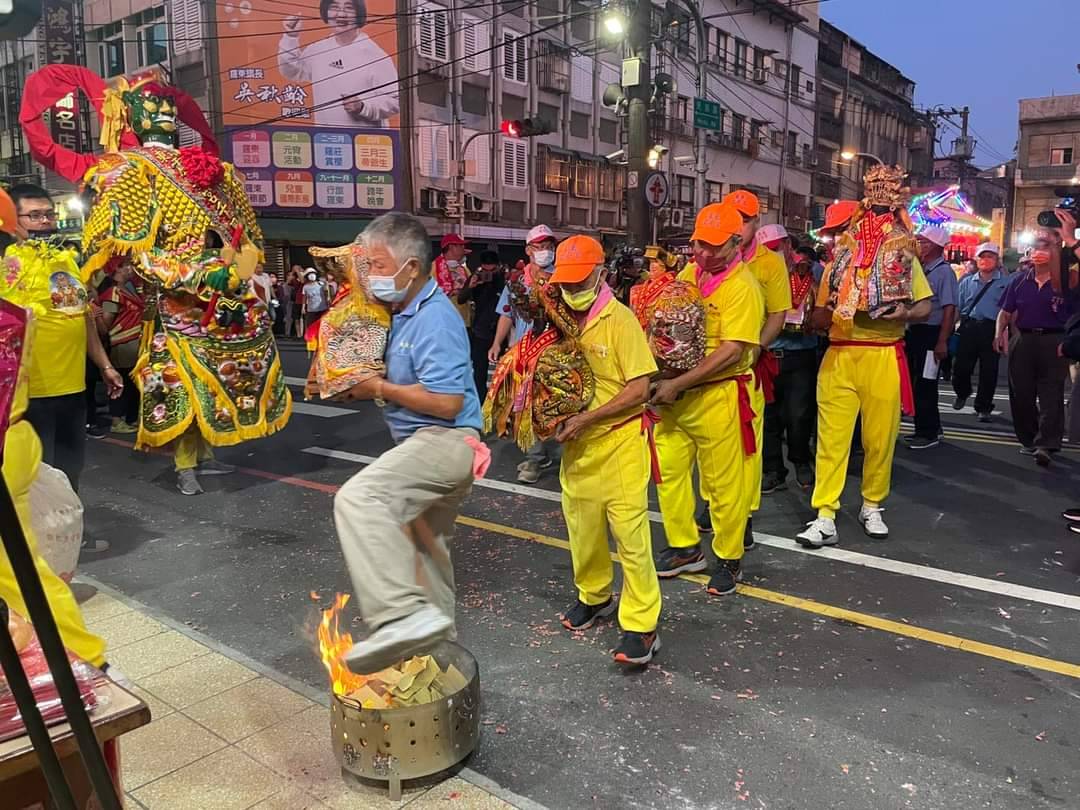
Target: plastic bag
[57,518]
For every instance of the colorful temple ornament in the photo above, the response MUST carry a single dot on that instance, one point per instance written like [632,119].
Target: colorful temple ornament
[208,360]
[872,263]
[349,341]
[543,380]
[672,313]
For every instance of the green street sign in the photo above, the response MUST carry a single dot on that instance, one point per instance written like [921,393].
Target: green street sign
[706,114]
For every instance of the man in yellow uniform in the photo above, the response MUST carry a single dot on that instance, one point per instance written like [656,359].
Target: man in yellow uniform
[606,460]
[862,375]
[707,415]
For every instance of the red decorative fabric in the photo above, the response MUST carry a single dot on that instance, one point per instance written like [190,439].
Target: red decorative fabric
[202,167]
[765,372]
[746,414]
[649,419]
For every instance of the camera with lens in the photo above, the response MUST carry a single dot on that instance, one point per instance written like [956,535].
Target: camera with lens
[627,266]
[1069,202]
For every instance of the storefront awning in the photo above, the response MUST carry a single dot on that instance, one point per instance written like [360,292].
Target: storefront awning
[306,231]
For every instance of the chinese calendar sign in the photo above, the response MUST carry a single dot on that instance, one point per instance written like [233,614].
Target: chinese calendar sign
[310,102]
[60,27]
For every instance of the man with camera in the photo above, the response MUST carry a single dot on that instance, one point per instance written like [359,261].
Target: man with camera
[978,304]
[1031,327]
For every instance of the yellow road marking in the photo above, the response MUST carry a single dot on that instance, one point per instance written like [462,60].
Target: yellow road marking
[820,608]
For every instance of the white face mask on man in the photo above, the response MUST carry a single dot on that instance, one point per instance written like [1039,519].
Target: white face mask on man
[385,287]
[544,257]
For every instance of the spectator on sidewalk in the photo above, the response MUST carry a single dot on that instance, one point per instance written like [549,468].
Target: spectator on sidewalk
[483,290]
[1030,328]
[792,412]
[316,298]
[980,297]
[932,337]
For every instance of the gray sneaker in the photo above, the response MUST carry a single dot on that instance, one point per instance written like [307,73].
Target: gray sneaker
[416,634]
[187,483]
[215,467]
[528,472]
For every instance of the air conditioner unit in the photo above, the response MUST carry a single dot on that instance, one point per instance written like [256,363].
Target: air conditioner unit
[432,199]
[812,161]
[760,75]
[476,205]
[675,218]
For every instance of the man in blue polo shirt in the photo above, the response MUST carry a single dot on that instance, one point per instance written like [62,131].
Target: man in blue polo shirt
[980,301]
[405,503]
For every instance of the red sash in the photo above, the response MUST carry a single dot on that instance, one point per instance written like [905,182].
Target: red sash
[907,395]
[746,410]
[765,372]
[649,420]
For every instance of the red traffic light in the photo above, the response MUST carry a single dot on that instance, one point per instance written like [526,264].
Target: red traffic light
[525,128]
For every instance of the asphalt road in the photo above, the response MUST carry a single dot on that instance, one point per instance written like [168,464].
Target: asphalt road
[937,669]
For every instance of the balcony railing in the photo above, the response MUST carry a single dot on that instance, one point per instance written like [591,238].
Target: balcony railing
[1047,173]
[826,186]
[831,128]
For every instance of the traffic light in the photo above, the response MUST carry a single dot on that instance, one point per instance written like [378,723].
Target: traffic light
[525,128]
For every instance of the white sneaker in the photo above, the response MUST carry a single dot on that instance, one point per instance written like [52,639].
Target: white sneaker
[818,532]
[872,522]
[528,472]
[416,634]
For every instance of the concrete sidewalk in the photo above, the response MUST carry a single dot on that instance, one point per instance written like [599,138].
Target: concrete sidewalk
[228,735]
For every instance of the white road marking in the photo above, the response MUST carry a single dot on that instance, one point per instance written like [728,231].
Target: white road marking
[945,577]
[299,381]
[325,411]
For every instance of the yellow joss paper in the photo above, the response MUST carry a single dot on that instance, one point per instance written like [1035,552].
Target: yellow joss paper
[410,683]
[369,698]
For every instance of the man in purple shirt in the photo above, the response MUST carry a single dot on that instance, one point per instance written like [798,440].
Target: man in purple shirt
[1030,328]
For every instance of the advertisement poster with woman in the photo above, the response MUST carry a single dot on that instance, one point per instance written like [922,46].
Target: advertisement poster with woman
[310,101]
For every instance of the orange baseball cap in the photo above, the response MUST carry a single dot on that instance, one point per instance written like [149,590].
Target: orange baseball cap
[839,212]
[576,258]
[746,202]
[717,223]
[8,216]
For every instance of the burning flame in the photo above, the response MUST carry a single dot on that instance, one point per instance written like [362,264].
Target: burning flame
[333,644]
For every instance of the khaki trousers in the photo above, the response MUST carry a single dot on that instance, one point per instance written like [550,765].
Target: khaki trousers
[395,519]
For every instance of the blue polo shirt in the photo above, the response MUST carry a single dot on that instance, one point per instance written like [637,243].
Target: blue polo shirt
[990,302]
[521,325]
[429,346]
[943,282]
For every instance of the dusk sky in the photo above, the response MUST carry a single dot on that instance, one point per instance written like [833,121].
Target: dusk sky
[986,54]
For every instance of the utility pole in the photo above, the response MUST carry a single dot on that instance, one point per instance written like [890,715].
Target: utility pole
[787,123]
[965,154]
[638,92]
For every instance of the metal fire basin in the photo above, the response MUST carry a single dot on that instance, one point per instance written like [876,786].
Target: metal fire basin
[409,742]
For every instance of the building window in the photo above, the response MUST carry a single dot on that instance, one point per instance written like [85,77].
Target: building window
[682,109]
[547,213]
[606,184]
[433,27]
[554,172]
[475,45]
[579,125]
[584,180]
[755,129]
[608,131]
[1062,156]
[685,190]
[515,57]
[111,49]
[580,21]
[714,191]
[434,149]
[548,113]
[151,37]
[579,216]
[738,124]
[722,53]
[478,158]
[795,81]
[741,51]
[185,20]
[515,157]
[759,61]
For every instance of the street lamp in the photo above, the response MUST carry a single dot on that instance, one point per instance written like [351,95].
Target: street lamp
[850,154]
[614,23]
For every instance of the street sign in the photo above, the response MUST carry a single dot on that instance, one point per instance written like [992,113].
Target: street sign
[656,189]
[631,179]
[706,114]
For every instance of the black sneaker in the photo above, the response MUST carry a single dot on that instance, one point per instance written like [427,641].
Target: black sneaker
[95,431]
[637,649]
[1028,451]
[771,482]
[959,404]
[921,442]
[582,616]
[723,581]
[1042,458]
[704,520]
[1074,528]
[985,417]
[674,561]
[804,474]
[748,535]
[1072,513]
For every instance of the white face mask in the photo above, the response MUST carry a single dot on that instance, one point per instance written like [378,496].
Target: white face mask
[385,287]
[452,263]
[544,258]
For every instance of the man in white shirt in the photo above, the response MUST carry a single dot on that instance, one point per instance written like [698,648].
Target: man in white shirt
[353,81]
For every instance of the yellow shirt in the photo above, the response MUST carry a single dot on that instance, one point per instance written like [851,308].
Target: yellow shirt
[617,352]
[770,270]
[46,280]
[865,329]
[734,311]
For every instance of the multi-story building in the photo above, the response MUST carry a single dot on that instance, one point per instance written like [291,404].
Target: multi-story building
[1047,158]
[866,105]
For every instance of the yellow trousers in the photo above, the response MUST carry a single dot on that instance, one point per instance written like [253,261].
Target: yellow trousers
[605,483]
[703,427]
[191,448]
[753,463]
[856,380]
[22,457]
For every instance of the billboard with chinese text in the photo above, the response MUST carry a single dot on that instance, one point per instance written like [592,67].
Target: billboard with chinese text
[310,103]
